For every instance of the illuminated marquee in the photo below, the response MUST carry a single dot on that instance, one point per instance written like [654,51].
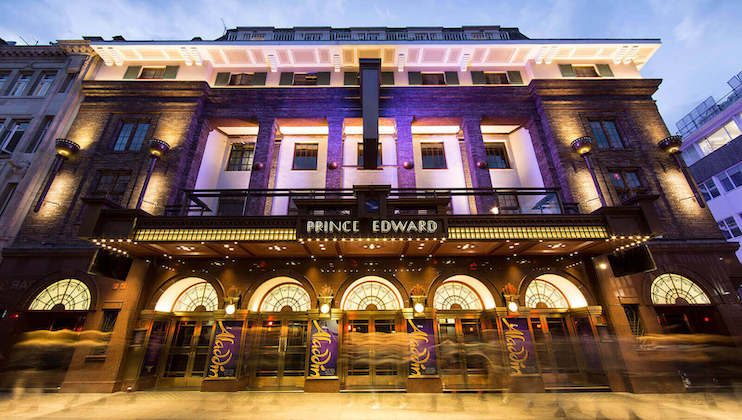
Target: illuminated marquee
[310,228]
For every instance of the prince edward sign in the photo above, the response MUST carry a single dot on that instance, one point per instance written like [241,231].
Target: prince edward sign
[372,228]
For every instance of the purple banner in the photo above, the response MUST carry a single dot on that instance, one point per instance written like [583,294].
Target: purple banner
[225,350]
[422,347]
[519,346]
[154,346]
[323,351]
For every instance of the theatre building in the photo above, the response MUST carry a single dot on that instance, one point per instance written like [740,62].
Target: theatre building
[391,209]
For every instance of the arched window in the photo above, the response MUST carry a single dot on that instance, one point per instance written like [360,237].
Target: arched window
[542,294]
[65,295]
[674,289]
[455,295]
[198,297]
[286,297]
[371,295]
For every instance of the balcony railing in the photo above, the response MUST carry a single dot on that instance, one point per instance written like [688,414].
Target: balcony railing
[346,201]
[708,109]
[373,34]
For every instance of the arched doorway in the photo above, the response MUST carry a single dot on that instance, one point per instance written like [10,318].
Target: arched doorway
[468,347]
[190,302]
[281,333]
[373,343]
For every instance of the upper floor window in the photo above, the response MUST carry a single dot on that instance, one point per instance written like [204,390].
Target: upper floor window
[433,155]
[720,137]
[434,79]
[240,156]
[496,78]
[131,136]
[4,76]
[152,73]
[241,79]
[606,135]
[729,228]
[360,155]
[21,85]
[6,195]
[111,185]
[13,135]
[731,178]
[40,133]
[68,79]
[305,79]
[305,156]
[626,182]
[585,71]
[44,83]
[708,189]
[497,156]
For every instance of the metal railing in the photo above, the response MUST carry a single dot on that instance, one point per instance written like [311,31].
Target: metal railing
[373,34]
[709,108]
[344,201]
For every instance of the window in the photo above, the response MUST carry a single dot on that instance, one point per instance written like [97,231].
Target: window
[497,156]
[4,76]
[606,135]
[455,295]
[433,155]
[7,194]
[12,136]
[708,189]
[585,71]
[632,315]
[111,185]
[305,156]
[131,136]
[720,137]
[152,73]
[67,295]
[360,155]
[305,79]
[68,79]
[371,295]
[40,133]
[199,297]
[21,85]
[44,83]
[542,294]
[109,320]
[731,178]
[241,79]
[286,297]
[729,228]
[496,78]
[240,157]
[433,79]
[626,183]
[674,289]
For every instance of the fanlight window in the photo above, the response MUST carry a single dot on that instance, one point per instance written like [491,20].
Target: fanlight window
[371,296]
[674,289]
[199,297]
[67,295]
[542,294]
[454,295]
[287,297]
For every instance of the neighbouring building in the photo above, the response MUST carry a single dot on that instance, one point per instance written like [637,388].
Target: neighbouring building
[712,148]
[321,209]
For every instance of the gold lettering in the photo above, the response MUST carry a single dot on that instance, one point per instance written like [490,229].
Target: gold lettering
[419,353]
[319,358]
[515,343]
[219,357]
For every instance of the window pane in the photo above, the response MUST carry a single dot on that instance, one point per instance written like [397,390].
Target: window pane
[360,155]
[496,78]
[433,155]
[152,73]
[585,71]
[617,180]
[240,157]
[613,137]
[733,227]
[733,130]
[139,135]
[632,178]
[40,133]
[718,139]
[305,79]
[240,79]
[45,82]
[305,156]
[736,175]
[433,79]
[726,182]
[123,137]
[497,156]
[19,88]
[13,135]
[7,194]
[598,134]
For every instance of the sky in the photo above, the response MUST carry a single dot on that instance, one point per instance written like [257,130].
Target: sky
[699,53]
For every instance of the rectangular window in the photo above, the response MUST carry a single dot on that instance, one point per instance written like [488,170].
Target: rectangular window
[152,73]
[40,133]
[433,155]
[731,178]
[305,156]
[4,76]
[632,315]
[13,136]
[585,71]
[626,183]
[109,320]
[709,189]
[44,83]
[360,155]
[240,157]
[131,136]
[305,79]
[111,185]
[606,135]
[7,194]
[241,79]
[497,156]
[729,228]
[21,85]
[496,78]
[68,79]
[434,79]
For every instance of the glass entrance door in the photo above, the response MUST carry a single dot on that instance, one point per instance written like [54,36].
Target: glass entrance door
[282,349]
[188,354]
[466,355]
[558,352]
[373,351]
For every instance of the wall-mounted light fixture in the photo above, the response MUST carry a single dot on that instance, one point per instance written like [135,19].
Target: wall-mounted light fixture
[65,148]
[583,146]
[672,145]
[157,149]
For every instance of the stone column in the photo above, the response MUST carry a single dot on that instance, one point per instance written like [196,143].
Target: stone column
[263,155]
[405,152]
[475,153]
[334,177]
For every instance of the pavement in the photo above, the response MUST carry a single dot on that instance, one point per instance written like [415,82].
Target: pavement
[360,406]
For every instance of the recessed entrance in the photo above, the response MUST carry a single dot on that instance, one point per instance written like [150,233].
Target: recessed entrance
[187,358]
[372,350]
